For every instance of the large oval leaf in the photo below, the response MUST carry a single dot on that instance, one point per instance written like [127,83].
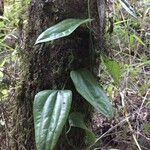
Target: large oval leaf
[50,111]
[76,119]
[62,29]
[88,87]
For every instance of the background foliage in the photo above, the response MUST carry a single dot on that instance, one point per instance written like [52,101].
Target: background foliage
[127,82]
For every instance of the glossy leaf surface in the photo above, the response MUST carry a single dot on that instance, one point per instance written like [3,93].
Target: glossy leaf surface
[89,88]
[50,111]
[62,29]
[76,119]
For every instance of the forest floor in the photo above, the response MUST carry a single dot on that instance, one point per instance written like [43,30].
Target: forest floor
[130,128]
[129,48]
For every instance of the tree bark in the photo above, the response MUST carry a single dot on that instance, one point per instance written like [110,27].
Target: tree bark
[47,66]
[1,7]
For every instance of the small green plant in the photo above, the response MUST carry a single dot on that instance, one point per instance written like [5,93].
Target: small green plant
[51,107]
[113,68]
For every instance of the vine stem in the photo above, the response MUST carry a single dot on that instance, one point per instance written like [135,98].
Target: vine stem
[89,12]
[64,85]
[90,32]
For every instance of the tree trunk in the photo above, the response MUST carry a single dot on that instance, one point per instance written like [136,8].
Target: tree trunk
[47,66]
[1,7]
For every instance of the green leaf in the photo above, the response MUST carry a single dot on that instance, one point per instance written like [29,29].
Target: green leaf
[147,129]
[89,88]
[139,40]
[50,111]
[113,68]
[126,5]
[76,119]
[62,29]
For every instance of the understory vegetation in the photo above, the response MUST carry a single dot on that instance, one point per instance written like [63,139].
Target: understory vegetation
[124,74]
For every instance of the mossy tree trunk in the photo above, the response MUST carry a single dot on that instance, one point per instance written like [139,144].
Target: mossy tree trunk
[1,7]
[47,66]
